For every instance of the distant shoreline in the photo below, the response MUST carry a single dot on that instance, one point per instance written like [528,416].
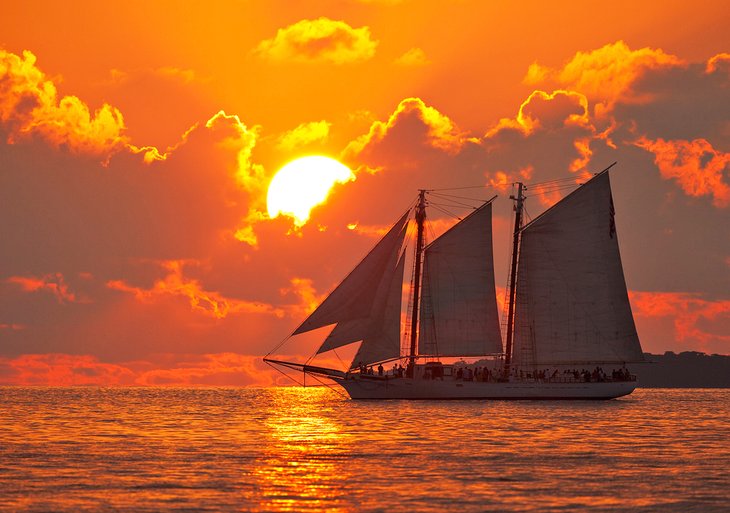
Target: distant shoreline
[689,369]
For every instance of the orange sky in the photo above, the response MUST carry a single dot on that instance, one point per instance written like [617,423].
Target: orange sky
[137,141]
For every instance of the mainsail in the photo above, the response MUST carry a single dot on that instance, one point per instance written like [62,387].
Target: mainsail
[572,306]
[458,306]
[361,304]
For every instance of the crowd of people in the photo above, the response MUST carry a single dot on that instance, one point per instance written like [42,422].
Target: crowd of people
[575,375]
[485,374]
[398,370]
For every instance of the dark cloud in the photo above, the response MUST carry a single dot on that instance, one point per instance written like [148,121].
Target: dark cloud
[683,102]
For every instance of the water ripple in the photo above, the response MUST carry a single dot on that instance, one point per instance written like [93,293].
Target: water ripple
[108,449]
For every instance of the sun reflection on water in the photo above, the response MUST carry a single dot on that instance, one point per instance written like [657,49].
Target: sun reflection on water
[305,454]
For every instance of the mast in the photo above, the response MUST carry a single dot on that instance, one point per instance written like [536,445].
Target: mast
[513,276]
[420,218]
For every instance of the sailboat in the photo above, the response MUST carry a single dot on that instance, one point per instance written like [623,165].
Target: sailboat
[569,330]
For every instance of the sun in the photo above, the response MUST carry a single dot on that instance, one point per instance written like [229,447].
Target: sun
[303,184]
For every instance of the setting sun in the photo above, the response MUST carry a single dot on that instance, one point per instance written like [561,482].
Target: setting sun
[303,184]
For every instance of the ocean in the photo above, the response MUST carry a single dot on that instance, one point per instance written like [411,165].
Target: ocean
[310,450]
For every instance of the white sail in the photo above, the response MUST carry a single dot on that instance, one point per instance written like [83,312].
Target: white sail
[458,314]
[571,302]
[353,298]
[383,342]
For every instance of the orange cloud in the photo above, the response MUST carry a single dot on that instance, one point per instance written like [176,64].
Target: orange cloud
[53,283]
[249,175]
[240,138]
[185,76]
[547,111]
[413,58]
[54,369]
[501,299]
[604,74]
[306,296]
[245,232]
[152,153]
[62,370]
[536,74]
[29,104]
[546,193]
[721,61]
[692,315]
[320,40]
[374,231]
[219,369]
[304,134]
[695,165]
[502,180]
[441,132]
[499,180]
[12,326]
[175,284]
[583,146]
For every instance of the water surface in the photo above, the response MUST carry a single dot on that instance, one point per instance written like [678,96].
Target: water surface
[293,449]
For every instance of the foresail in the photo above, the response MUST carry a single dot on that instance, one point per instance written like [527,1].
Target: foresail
[383,342]
[571,302]
[348,331]
[458,314]
[354,297]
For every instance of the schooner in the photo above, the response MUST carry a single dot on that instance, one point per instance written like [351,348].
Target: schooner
[568,313]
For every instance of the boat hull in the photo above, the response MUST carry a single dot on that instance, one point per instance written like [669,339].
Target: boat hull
[405,388]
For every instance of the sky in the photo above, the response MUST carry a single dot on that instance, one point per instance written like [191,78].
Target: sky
[138,141]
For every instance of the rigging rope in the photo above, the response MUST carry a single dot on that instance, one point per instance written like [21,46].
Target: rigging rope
[458,188]
[555,180]
[454,203]
[450,196]
[441,209]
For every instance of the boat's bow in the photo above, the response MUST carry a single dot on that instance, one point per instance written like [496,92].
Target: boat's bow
[310,369]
